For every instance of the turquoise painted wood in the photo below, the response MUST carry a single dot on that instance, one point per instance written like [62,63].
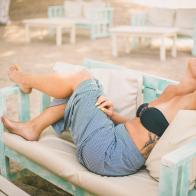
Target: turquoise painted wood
[99,23]
[175,171]
[174,166]
[55,11]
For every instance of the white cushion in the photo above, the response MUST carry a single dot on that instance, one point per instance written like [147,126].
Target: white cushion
[181,131]
[122,86]
[161,17]
[73,9]
[185,18]
[58,156]
[90,7]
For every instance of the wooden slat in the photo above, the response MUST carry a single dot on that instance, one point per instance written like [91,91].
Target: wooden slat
[10,189]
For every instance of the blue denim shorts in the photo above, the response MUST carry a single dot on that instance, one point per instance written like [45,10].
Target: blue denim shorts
[101,146]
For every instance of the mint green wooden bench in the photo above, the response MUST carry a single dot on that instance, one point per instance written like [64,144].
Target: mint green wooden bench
[174,166]
[98,24]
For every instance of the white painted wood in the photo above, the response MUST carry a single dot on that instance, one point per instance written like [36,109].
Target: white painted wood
[114,45]
[174,51]
[146,32]
[10,189]
[57,23]
[162,49]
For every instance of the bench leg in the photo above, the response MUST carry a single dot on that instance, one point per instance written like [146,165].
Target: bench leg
[73,35]
[58,36]
[5,166]
[114,45]
[128,45]
[174,51]
[162,50]
[27,34]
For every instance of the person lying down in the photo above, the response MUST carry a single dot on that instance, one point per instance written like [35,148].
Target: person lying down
[107,143]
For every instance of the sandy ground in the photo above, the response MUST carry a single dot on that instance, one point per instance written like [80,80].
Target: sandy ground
[40,55]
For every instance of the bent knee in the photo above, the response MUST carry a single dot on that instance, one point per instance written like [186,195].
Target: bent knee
[81,76]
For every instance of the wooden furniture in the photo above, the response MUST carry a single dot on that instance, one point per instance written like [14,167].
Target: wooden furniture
[57,23]
[95,17]
[174,166]
[8,188]
[182,19]
[143,31]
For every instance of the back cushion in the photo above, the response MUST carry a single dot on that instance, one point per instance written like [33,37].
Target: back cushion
[181,131]
[90,7]
[161,17]
[73,9]
[185,18]
[122,86]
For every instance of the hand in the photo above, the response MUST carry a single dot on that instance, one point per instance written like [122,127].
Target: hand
[105,105]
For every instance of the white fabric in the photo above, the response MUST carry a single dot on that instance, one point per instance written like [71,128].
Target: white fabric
[73,9]
[185,18]
[181,131]
[4,11]
[58,156]
[170,4]
[122,86]
[89,7]
[161,17]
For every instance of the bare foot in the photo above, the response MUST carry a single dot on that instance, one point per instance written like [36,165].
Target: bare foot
[15,74]
[26,130]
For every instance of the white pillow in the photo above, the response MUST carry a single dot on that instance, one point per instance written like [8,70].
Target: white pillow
[90,7]
[73,9]
[161,17]
[181,131]
[122,86]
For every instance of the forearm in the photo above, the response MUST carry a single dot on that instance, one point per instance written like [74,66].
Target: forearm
[117,118]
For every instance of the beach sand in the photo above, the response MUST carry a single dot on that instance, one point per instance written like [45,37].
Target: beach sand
[40,55]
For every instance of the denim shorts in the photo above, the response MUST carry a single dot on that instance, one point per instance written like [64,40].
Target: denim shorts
[101,146]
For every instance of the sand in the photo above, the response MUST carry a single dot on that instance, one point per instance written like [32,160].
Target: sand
[40,55]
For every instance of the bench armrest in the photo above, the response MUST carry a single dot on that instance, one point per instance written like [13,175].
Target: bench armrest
[24,113]
[174,175]
[24,103]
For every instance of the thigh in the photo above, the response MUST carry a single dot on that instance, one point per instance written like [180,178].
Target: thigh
[171,107]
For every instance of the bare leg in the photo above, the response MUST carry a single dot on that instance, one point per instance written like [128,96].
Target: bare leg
[171,107]
[187,85]
[32,129]
[55,85]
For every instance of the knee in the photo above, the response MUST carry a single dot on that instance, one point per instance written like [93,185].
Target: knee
[172,89]
[81,76]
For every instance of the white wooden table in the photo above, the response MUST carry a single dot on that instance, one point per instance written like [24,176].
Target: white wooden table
[58,23]
[144,31]
[8,188]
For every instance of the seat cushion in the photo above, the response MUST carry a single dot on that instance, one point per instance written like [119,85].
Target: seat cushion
[58,156]
[181,131]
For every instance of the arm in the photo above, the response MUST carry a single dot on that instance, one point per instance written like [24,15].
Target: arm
[117,118]
[107,107]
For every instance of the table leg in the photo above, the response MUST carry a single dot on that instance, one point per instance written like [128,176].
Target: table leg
[73,34]
[162,50]
[58,36]
[114,45]
[174,51]
[27,34]
[128,45]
